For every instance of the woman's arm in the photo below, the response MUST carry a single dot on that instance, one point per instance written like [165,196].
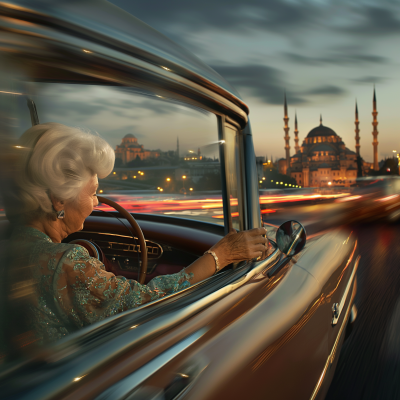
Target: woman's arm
[87,293]
[234,247]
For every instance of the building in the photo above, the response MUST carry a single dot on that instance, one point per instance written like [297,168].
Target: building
[129,150]
[323,160]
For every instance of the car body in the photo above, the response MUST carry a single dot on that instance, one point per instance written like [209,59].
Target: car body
[260,328]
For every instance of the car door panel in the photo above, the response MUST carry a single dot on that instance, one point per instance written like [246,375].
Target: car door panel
[281,340]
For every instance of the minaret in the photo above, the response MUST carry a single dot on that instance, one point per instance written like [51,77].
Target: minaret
[286,129]
[375,133]
[357,130]
[177,148]
[296,135]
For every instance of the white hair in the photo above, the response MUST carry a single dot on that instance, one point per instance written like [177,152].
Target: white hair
[60,160]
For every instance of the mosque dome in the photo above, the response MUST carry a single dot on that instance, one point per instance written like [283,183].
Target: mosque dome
[129,135]
[321,130]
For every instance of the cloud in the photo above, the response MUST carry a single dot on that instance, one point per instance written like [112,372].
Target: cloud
[260,81]
[233,15]
[376,21]
[330,90]
[341,59]
[278,16]
[370,79]
[75,111]
[268,84]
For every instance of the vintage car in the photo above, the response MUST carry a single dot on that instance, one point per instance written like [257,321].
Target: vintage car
[269,328]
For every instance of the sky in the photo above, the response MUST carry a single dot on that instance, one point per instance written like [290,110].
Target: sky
[324,53]
[112,112]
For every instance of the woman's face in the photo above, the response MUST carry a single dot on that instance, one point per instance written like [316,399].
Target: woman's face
[77,211]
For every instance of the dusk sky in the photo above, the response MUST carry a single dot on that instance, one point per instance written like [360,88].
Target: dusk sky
[325,53]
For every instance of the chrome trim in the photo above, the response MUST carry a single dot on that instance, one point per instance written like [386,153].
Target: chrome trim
[111,234]
[331,357]
[127,385]
[338,307]
[132,248]
[260,267]
[353,314]
[127,244]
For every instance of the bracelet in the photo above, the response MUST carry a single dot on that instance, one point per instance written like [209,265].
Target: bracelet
[217,267]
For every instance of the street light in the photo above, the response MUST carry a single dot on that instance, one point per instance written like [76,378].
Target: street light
[168,179]
[191,189]
[183,176]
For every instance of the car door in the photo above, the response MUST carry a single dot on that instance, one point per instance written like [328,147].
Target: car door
[269,337]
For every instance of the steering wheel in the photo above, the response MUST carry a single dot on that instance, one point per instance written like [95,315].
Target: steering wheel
[136,228]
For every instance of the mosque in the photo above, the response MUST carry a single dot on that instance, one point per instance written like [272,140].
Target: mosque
[130,149]
[323,159]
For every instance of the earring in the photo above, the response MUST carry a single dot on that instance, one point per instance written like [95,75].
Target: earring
[61,214]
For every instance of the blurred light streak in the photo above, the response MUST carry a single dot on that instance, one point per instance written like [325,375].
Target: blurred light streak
[387,198]
[140,204]
[234,215]
[349,198]
[2,91]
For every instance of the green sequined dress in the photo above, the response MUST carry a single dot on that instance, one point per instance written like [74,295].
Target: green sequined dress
[73,290]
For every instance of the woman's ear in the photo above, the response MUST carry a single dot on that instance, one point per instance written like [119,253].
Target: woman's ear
[58,205]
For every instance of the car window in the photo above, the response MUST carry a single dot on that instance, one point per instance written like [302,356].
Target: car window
[167,154]
[168,162]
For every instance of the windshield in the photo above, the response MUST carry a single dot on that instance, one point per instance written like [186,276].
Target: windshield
[167,155]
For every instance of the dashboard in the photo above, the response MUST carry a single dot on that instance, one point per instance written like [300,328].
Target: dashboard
[171,246]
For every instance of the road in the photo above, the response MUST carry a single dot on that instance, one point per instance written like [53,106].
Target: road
[369,363]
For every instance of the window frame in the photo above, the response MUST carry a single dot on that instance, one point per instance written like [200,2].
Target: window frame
[223,126]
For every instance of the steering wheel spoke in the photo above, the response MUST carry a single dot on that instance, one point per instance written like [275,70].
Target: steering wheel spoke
[136,228]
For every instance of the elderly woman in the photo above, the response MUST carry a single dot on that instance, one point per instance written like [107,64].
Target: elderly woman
[56,191]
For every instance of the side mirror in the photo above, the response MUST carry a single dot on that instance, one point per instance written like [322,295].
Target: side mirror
[291,238]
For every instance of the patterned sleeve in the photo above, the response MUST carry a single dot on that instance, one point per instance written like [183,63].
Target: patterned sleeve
[87,293]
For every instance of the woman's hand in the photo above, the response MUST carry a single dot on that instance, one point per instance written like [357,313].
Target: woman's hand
[239,246]
[234,247]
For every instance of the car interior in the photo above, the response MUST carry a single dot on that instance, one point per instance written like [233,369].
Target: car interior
[172,241]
